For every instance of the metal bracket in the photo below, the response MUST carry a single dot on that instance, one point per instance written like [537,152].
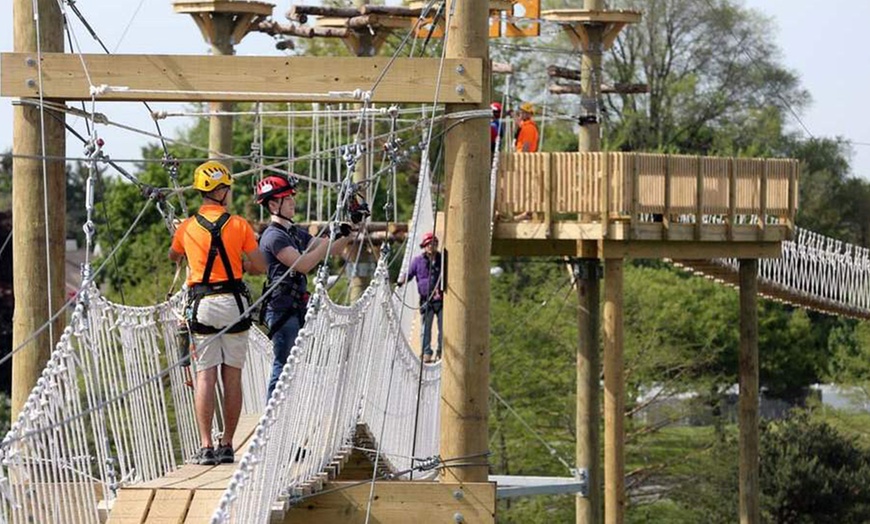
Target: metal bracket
[582,476]
[587,268]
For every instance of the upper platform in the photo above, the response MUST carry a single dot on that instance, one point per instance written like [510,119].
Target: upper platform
[643,205]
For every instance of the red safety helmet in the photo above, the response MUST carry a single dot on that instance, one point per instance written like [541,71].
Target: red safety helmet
[428,238]
[496,108]
[275,186]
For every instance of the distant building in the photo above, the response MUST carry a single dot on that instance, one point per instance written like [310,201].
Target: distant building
[660,407]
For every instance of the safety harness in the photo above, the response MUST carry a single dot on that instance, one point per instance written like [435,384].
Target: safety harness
[294,286]
[206,288]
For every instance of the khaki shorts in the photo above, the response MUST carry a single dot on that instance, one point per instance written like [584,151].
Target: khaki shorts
[231,349]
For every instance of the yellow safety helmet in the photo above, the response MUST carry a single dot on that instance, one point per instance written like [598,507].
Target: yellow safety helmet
[528,107]
[211,175]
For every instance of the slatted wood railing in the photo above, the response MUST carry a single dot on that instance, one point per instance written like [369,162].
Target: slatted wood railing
[638,188]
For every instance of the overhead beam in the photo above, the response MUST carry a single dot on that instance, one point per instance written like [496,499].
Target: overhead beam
[605,89]
[506,246]
[184,78]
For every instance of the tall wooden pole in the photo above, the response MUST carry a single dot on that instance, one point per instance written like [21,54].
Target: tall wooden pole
[465,371]
[590,82]
[750,512]
[587,273]
[614,396]
[37,275]
[363,265]
[220,129]
[588,446]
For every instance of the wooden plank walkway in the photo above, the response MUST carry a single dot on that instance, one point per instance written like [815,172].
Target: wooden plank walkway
[188,495]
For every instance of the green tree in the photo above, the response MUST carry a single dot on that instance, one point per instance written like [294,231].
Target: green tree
[713,72]
[812,474]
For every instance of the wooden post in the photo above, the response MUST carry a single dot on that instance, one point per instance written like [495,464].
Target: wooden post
[588,445]
[748,404]
[587,271]
[699,196]
[465,371]
[590,83]
[362,45]
[37,275]
[220,128]
[614,396]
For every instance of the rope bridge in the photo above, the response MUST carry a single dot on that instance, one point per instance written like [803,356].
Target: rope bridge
[112,408]
[814,272]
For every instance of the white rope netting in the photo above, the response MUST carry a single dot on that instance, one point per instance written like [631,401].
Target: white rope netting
[350,365]
[111,409]
[814,271]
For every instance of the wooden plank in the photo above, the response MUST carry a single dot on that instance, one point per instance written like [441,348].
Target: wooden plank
[591,16]
[699,197]
[222,6]
[548,192]
[635,193]
[605,195]
[399,502]
[762,213]
[202,506]
[690,250]
[240,78]
[182,474]
[218,476]
[732,198]
[131,506]
[666,216]
[169,506]
[244,432]
[792,194]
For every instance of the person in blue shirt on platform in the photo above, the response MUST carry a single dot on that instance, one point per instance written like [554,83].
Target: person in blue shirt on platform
[426,269]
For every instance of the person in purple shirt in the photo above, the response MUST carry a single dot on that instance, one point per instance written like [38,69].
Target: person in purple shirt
[425,268]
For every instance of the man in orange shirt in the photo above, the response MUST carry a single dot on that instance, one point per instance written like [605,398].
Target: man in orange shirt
[527,130]
[219,247]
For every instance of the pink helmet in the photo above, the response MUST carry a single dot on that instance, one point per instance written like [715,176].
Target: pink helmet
[428,238]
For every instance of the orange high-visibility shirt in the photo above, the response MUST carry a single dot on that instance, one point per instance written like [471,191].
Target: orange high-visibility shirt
[194,241]
[527,137]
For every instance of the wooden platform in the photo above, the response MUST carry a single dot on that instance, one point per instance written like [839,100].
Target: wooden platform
[607,205]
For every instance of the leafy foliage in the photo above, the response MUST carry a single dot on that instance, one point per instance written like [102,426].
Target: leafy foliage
[810,473]
[713,73]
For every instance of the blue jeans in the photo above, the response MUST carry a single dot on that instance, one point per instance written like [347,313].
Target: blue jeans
[282,343]
[429,311]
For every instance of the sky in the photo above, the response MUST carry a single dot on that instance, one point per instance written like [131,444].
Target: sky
[825,45]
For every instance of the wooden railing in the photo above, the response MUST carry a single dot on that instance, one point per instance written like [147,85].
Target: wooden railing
[640,187]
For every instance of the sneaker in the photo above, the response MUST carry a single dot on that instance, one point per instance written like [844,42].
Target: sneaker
[225,454]
[205,457]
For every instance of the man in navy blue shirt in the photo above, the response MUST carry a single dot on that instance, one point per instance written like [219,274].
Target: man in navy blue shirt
[288,248]
[426,269]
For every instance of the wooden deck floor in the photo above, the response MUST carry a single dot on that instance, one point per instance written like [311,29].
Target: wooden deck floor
[188,495]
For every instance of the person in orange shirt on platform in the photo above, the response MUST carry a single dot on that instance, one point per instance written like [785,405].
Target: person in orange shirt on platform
[527,130]
[219,247]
